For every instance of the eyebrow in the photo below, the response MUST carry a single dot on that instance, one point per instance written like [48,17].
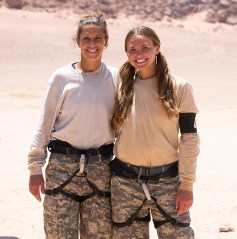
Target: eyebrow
[145,44]
[99,34]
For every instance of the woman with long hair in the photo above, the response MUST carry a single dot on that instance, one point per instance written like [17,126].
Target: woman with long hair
[157,144]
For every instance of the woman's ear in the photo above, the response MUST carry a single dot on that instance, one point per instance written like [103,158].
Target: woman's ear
[157,49]
[106,42]
[78,42]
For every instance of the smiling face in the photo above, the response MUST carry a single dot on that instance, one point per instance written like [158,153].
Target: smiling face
[142,53]
[92,41]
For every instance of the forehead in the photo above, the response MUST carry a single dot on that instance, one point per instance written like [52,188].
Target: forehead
[137,40]
[91,29]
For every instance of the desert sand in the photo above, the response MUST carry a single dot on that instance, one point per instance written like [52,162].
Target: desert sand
[32,45]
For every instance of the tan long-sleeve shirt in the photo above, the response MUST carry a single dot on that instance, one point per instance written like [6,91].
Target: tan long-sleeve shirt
[77,108]
[150,138]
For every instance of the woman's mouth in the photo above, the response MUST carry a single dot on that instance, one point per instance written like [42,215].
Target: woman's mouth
[140,61]
[92,50]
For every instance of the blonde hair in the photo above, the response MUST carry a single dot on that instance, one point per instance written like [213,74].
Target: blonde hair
[124,94]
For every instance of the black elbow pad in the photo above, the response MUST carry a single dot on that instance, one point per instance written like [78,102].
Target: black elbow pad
[187,123]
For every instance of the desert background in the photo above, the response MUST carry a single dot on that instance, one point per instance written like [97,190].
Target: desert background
[199,45]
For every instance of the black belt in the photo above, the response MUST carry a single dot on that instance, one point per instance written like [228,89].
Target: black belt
[131,171]
[63,147]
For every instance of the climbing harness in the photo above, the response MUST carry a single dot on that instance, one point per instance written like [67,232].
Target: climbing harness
[62,147]
[143,175]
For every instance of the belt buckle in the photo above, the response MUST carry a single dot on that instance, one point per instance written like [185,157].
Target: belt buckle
[162,169]
[146,172]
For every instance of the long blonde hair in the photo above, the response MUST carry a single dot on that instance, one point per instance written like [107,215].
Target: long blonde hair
[124,95]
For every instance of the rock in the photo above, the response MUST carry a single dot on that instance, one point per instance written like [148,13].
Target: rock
[224,2]
[222,15]
[211,16]
[158,15]
[14,3]
[232,20]
[226,229]
[167,11]
[224,11]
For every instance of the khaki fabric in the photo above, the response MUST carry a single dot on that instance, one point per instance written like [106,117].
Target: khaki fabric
[66,218]
[150,138]
[128,195]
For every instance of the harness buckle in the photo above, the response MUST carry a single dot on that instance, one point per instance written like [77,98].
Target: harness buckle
[163,168]
[82,163]
[147,172]
[139,175]
[99,155]
[84,174]
[146,191]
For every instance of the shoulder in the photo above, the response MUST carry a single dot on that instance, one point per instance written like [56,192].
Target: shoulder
[179,81]
[61,73]
[111,69]
[181,85]
[184,95]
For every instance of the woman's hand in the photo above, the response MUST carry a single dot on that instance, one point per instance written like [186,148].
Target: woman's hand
[36,184]
[184,200]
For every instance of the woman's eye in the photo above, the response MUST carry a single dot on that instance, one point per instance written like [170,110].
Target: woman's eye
[131,51]
[145,48]
[86,39]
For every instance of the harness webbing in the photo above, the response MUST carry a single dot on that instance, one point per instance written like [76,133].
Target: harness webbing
[73,196]
[76,197]
[134,217]
[170,219]
[62,186]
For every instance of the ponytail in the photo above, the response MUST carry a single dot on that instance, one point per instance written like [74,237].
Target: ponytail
[124,96]
[165,85]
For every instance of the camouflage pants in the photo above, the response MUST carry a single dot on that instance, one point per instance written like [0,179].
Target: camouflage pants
[127,196]
[65,218]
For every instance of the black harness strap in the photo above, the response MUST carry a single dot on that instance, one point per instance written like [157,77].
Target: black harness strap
[97,191]
[124,170]
[132,218]
[159,223]
[76,197]
[143,219]
[62,186]
[73,196]
[170,219]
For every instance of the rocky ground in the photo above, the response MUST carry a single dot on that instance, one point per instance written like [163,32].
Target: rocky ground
[224,11]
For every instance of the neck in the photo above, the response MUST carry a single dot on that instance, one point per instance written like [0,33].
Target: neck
[148,72]
[146,75]
[88,66]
